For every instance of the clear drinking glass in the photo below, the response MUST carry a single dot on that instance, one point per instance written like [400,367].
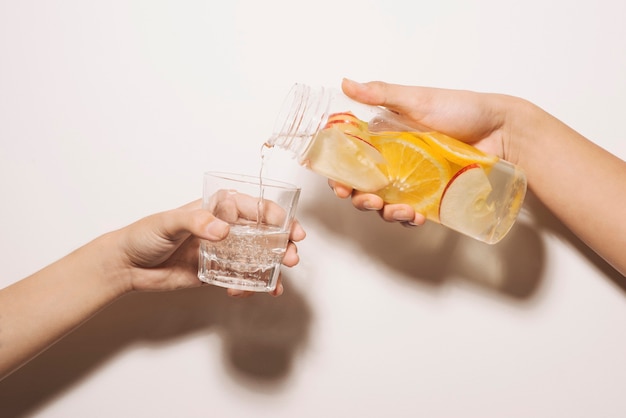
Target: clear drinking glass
[260,213]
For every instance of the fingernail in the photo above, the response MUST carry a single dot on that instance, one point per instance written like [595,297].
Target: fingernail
[349,80]
[279,290]
[401,215]
[408,224]
[369,205]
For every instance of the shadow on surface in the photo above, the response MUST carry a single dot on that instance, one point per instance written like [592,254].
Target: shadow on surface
[434,254]
[547,221]
[257,327]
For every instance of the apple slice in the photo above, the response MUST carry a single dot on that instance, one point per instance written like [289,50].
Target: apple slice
[464,202]
[344,117]
[353,127]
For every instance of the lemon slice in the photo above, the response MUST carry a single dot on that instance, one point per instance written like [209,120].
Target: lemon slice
[456,151]
[346,159]
[417,176]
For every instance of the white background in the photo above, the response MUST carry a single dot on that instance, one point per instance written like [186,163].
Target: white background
[111,110]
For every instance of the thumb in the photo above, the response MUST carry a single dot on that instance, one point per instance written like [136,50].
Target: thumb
[411,104]
[205,225]
[378,93]
[199,222]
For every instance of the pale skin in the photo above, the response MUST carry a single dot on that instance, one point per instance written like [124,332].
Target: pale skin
[156,253]
[581,183]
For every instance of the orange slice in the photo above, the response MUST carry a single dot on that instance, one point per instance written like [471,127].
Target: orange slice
[417,176]
[456,151]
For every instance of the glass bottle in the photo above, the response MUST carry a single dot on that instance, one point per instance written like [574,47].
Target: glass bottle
[372,150]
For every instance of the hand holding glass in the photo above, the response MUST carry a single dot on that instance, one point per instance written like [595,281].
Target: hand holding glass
[260,214]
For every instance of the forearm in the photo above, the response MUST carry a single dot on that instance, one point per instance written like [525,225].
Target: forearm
[581,183]
[40,309]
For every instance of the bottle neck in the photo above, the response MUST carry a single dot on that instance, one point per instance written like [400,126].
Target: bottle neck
[303,113]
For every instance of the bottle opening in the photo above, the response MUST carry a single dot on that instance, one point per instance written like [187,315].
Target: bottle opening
[303,112]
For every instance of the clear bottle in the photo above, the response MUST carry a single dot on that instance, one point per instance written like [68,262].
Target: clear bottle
[370,149]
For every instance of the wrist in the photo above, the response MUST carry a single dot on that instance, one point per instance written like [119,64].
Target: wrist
[522,127]
[112,268]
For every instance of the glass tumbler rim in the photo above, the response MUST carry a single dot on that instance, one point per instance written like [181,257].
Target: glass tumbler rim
[252,179]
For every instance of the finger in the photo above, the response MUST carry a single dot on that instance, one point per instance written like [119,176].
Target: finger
[367,201]
[403,214]
[222,204]
[232,207]
[341,190]
[237,293]
[179,223]
[418,220]
[291,257]
[413,105]
[278,291]
[297,233]
[411,224]
[273,214]
[359,91]
[378,93]
[398,213]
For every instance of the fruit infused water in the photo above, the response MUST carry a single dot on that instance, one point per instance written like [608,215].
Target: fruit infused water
[370,149]
[248,258]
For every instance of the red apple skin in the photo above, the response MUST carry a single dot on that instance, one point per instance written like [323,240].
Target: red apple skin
[457,174]
[347,118]
[360,139]
[344,117]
